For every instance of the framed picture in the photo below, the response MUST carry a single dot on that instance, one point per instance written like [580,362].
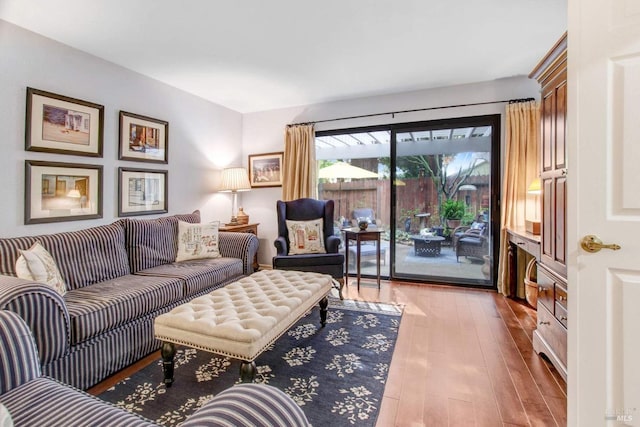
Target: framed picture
[56,192]
[143,139]
[142,192]
[265,170]
[63,125]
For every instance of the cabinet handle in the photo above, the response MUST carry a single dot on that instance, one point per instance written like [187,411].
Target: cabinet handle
[562,298]
[540,289]
[544,323]
[563,318]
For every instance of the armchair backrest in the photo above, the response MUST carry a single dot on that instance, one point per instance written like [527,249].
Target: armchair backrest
[364,212]
[304,210]
[19,356]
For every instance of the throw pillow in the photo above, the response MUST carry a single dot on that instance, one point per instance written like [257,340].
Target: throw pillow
[196,241]
[36,263]
[305,237]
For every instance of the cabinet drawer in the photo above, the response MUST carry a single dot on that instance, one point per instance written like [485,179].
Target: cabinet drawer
[561,296]
[545,290]
[561,314]
[554,333]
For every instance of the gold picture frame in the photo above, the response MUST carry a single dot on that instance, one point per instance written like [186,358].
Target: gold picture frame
[266,170]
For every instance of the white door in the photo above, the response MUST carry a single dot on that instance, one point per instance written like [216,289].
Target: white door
[604,199]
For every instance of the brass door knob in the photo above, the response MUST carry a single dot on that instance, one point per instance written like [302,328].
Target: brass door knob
[591,243]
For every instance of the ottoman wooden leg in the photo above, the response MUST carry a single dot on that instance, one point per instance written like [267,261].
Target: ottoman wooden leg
[247,371]
[324,302]
[168,351]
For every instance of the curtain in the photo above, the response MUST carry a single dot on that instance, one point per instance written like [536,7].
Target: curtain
[299,160]
[521,166]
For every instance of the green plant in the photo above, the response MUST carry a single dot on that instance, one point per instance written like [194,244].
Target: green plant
[453,209]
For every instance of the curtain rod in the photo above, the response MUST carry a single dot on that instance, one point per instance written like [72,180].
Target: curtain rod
[393,113]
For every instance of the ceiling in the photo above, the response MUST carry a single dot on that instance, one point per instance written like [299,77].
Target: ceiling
[256,55]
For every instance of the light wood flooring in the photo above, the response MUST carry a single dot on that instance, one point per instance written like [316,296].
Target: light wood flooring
[463,358]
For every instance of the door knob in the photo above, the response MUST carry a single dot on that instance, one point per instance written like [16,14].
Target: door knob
[591,243]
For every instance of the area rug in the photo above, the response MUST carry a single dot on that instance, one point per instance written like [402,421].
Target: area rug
[336,374]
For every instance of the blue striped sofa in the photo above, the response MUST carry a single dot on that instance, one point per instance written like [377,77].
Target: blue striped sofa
[34,400]
[119,278]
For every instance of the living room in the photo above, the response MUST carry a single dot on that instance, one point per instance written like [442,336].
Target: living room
[205,137]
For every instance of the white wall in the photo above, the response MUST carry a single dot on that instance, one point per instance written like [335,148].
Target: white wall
[263,132]
[203,137]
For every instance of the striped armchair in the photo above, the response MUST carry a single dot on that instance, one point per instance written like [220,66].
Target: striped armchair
[35,400]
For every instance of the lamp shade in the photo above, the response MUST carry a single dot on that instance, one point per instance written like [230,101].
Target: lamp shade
[535,187]
[235,179]
[74,193]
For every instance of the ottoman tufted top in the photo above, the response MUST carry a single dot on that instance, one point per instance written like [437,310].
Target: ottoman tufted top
[243,318]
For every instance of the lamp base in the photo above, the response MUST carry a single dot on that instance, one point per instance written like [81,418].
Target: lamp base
[532,227]
[234,221]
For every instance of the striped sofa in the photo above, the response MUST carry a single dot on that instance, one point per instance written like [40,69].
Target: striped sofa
[119,278]
[35,400]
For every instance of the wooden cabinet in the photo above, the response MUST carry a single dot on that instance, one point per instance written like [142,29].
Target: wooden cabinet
[550,337]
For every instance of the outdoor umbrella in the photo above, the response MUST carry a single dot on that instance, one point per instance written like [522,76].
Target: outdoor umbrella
[343,170]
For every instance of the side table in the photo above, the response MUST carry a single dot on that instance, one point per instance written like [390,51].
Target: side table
[360,236]
[244,228]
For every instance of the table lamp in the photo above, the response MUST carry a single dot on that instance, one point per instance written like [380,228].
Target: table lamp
[533,227]
[234,180]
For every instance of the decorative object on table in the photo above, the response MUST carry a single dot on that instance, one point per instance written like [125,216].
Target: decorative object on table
[234,179]
[63,125]
[243,218]
[265,170]
[363,222]
[533,226]
[348,359]
[51,196]
[142,192]
[143,139]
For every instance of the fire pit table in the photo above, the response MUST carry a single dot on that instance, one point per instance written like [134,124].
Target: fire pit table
[427,245]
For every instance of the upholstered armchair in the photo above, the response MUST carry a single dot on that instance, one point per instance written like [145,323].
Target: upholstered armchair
[290,248]
[366,213]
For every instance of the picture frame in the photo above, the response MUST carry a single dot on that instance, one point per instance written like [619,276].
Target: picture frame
[143,139]
[142,191]
[57,192]
[265,170]
[63,125]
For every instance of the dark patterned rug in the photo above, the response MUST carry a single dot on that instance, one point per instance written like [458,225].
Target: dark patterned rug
[336,374]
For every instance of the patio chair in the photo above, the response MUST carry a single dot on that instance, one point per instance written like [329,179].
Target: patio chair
[331,262]
[473,243]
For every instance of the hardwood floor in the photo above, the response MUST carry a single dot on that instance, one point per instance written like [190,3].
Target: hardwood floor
[464,357]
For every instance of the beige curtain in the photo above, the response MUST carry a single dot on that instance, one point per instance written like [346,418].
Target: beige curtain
[299,178]
[521,166]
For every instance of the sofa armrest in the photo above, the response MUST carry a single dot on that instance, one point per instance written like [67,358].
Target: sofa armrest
[43,310]
[245,405]
[239,245]
[18,352]
[282,249]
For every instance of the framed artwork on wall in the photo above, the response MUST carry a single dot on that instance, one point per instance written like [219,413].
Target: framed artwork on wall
[63,125]
[142,192]
[265,170]
[143,139]
[56,192]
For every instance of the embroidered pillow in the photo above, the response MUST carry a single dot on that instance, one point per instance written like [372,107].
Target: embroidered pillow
[196,241]
[37,264]
[305,237]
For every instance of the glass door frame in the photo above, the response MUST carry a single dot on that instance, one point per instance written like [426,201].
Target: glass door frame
[492,120]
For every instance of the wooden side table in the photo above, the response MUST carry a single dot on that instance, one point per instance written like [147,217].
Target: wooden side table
[360,236]
[244,228]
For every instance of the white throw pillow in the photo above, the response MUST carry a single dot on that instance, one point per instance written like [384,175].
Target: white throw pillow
[305,237]
[37,264]
[196,241]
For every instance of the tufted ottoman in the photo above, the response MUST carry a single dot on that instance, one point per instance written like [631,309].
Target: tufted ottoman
[243,318]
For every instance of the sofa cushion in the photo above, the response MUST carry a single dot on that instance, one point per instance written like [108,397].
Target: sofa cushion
[46,402]
[196,241]
[104,306]
[36,263]
[83,257]
[199,275]
[305,237]
[153,242]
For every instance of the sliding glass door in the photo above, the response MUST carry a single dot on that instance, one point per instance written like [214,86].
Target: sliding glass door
[445,180]
[431,187]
